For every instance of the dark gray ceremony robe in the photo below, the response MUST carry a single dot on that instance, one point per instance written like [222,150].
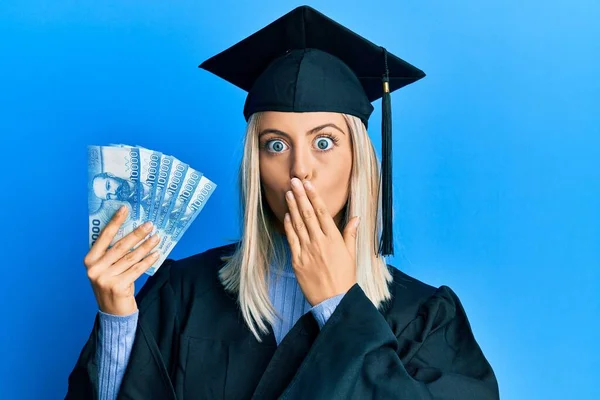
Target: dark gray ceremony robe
[191,343]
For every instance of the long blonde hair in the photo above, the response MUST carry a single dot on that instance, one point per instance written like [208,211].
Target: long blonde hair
[245,273]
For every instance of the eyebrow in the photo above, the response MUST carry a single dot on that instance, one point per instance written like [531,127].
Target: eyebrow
[310,132]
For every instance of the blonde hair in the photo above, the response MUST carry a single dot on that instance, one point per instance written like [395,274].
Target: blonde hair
[245,273]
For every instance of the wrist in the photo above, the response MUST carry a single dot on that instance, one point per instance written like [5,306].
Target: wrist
[119,309]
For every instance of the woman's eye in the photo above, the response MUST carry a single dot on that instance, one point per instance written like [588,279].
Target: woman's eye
[275,146]
[324,143]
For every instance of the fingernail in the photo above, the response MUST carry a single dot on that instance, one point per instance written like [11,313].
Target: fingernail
[308,185]
[296,182]
[147,226]
[357,222]
[287,217]
[154,239]
[289,194]
[121,210]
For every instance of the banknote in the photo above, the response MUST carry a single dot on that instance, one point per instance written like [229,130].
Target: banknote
[149,166]
[174,183]
[154,186]
[188,186]
[162,180]
[113,180]
[186,217]
[197,201]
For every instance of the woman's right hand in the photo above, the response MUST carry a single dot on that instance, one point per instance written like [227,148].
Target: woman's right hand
[113,272]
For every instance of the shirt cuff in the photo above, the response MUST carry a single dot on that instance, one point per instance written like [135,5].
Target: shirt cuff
[325,309]
[106,319]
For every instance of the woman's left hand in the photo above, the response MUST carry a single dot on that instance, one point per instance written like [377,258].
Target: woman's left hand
[324,260]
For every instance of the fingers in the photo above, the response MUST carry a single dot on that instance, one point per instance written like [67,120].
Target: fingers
[135,271]
[296,219]
[292,238]
[106,237]
[326,222]
[350,236]
[302,211]
[135,256]
[124,245]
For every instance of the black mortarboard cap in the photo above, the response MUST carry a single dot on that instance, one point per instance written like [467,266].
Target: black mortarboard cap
[304,61]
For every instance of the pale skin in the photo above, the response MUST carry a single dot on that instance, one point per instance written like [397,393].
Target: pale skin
[305,166]
[112,272]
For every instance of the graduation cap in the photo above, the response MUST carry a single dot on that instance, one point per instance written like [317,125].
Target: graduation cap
[304,61]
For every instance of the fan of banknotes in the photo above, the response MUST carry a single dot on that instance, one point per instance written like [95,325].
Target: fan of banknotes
[154,186]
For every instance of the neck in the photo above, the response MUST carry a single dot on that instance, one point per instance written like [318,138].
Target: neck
[282,260]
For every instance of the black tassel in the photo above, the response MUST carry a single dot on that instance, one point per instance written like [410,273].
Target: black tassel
[386,246]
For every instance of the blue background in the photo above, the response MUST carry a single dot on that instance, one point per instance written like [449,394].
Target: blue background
[496,163]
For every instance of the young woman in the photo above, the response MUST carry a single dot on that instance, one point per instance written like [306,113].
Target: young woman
[304,306]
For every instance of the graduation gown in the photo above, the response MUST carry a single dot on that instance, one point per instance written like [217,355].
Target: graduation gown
[191,343]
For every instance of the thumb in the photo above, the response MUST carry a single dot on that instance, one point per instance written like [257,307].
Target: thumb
[350,235]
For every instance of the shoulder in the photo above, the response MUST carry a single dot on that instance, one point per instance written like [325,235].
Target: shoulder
[199,273]
[414,300]
[202,266]
[435,337]
[188,277]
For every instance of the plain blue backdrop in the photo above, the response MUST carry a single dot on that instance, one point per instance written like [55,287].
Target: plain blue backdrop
[496,167]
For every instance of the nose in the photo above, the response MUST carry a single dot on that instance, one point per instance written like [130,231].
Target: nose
[302,165]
